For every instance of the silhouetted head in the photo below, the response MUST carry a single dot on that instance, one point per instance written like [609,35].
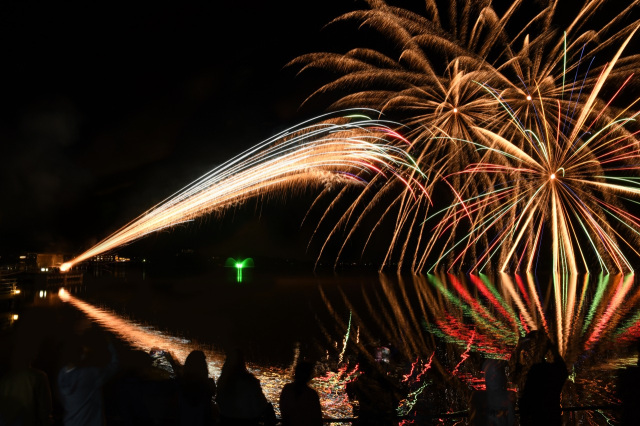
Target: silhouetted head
[73,352]
[534,347]
[24,353]
[234,361]
[140,359]
[543,347]
[494,375]
[526,349]
[234,367]
[303,372]
[195,366]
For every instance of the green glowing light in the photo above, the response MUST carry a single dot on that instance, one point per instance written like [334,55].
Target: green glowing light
[239,265]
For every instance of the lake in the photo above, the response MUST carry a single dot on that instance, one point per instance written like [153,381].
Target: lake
[429,333]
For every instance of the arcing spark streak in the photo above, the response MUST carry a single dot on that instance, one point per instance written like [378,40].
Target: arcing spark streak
[334,150]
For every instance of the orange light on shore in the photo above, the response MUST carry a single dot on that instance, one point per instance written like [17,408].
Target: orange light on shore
[63,295]
[65,266]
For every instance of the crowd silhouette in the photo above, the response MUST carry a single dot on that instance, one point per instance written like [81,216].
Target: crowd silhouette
[299,403]
[375,397]
[99,381]
[80,382]
[496,404]
[25,395]
[627,389]
[240,397]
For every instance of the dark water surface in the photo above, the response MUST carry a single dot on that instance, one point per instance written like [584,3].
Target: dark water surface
[429,333]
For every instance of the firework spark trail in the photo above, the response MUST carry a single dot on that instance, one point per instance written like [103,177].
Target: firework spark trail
[595,304]
[465,355]
[607,306]
[525,316]
[495,329]
[426,368]
[137,335]
[333,386]
[333,382]
[406,405]
[555,176]
[623,287]
[147,338]
[333,150]
[406,377]
[583,318]
[469,89]
[564,172]
[410,401]
[345,340]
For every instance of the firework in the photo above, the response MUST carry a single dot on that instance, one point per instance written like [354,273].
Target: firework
[334,151]
[515,132]
[428,78]
[468,70]
[594,321]
[571,176]
[330,387]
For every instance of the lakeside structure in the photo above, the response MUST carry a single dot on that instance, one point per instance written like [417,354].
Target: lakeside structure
[25,275]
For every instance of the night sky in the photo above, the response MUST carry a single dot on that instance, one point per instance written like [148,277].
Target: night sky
[107,110]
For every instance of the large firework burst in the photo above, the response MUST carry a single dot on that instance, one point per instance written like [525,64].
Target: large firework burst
[572,180]
[474,71]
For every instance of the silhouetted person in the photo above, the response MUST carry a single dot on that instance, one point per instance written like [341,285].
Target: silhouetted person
[496,405]
[374,396]
[629,394]
[80,383]
[144,394]
[299,403]
[240,398]
[196,392]
[25,395]
[522,359]
[540,400]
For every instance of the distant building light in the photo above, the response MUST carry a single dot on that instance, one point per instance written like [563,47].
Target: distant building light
[23,257]
[15,317]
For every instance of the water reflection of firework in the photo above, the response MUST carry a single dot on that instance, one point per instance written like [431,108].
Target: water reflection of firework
[450,323]
[596,313]
[334,384]
[330,385]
